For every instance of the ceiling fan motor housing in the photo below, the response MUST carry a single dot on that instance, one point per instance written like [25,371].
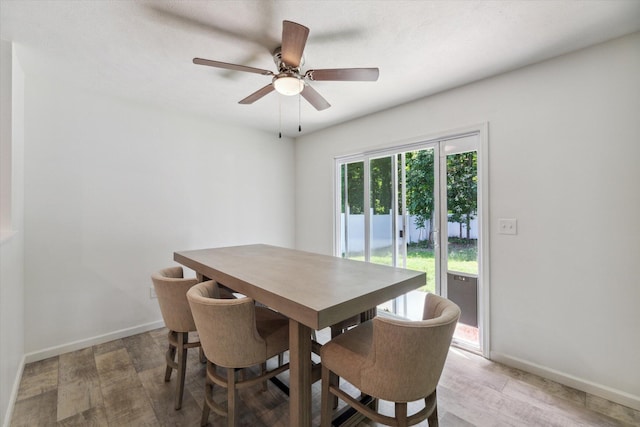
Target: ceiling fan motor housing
[277,58]
[288,81]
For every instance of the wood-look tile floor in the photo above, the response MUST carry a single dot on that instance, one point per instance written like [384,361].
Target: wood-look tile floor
[121,383]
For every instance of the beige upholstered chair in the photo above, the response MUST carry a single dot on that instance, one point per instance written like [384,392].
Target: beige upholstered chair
[391,359]
[235,334]
[171,289]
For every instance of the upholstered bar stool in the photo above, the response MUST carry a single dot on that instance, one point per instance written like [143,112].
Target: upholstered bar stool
[235,334]
[171,289]
[391,359]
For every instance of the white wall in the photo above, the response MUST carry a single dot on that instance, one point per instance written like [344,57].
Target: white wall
[564,137]
[5,141]
[113,188]
[12,232]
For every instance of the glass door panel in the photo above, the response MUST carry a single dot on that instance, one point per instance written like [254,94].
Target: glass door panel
[422,252]
[383,210]
[352,224]
[462,207]
[383,207]
[461,166]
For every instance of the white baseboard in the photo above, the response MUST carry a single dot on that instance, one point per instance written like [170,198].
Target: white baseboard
[14,394]
[88,342]
[617,396]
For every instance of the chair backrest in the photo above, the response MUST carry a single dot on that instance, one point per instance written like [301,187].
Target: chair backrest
[407,357]
[227,327]
[171,289]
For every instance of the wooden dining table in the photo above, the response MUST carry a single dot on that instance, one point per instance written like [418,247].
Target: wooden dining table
[314,291]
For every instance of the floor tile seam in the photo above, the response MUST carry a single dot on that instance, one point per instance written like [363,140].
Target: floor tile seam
[115,419]
[26,376]
[92,408]
[150,399]
[86,384]
[79,371]
[515,407]
[122,374]
[596,408]
[552,396]
[581,412]
[108,388]
[133,354]
[635,411]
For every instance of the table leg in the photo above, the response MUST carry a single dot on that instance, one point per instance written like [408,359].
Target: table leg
[299,374]
[201,277]
[368,315]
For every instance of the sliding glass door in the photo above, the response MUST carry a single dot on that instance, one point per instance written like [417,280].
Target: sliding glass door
[388,215]
[416,207]
[460,260]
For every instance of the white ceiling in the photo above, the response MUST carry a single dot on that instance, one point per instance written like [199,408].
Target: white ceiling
[143,49]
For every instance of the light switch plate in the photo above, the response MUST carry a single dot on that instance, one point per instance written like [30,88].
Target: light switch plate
[507,226]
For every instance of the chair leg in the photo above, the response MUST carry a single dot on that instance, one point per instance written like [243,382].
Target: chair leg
[205,413]
[401,414]
[208,391]
[335,379]
[326,399]
[183,338]
[433,418]
[232,397]
[263,370]
[171,355]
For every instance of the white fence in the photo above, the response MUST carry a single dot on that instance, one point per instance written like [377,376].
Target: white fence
[382,231]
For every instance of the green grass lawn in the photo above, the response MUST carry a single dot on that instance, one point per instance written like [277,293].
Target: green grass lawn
[422,261]
[462,258]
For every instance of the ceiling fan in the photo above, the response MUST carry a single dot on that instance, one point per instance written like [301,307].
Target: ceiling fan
[289,79]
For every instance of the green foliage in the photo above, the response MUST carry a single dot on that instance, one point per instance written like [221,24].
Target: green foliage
[381,186]
[462,188]
[420,182]
[355,187]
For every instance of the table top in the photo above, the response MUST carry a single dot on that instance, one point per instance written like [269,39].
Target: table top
[315,290]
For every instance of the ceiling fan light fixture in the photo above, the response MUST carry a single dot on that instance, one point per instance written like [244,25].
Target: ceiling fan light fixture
[288,84]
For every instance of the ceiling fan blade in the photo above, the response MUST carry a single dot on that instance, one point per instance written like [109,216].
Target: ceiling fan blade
[314,98]
[257,94]
[345,74]
[294,38]
[234,67]
[168,15]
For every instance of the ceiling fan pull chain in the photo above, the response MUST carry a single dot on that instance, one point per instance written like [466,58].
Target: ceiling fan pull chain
[279,117]
[299,108]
